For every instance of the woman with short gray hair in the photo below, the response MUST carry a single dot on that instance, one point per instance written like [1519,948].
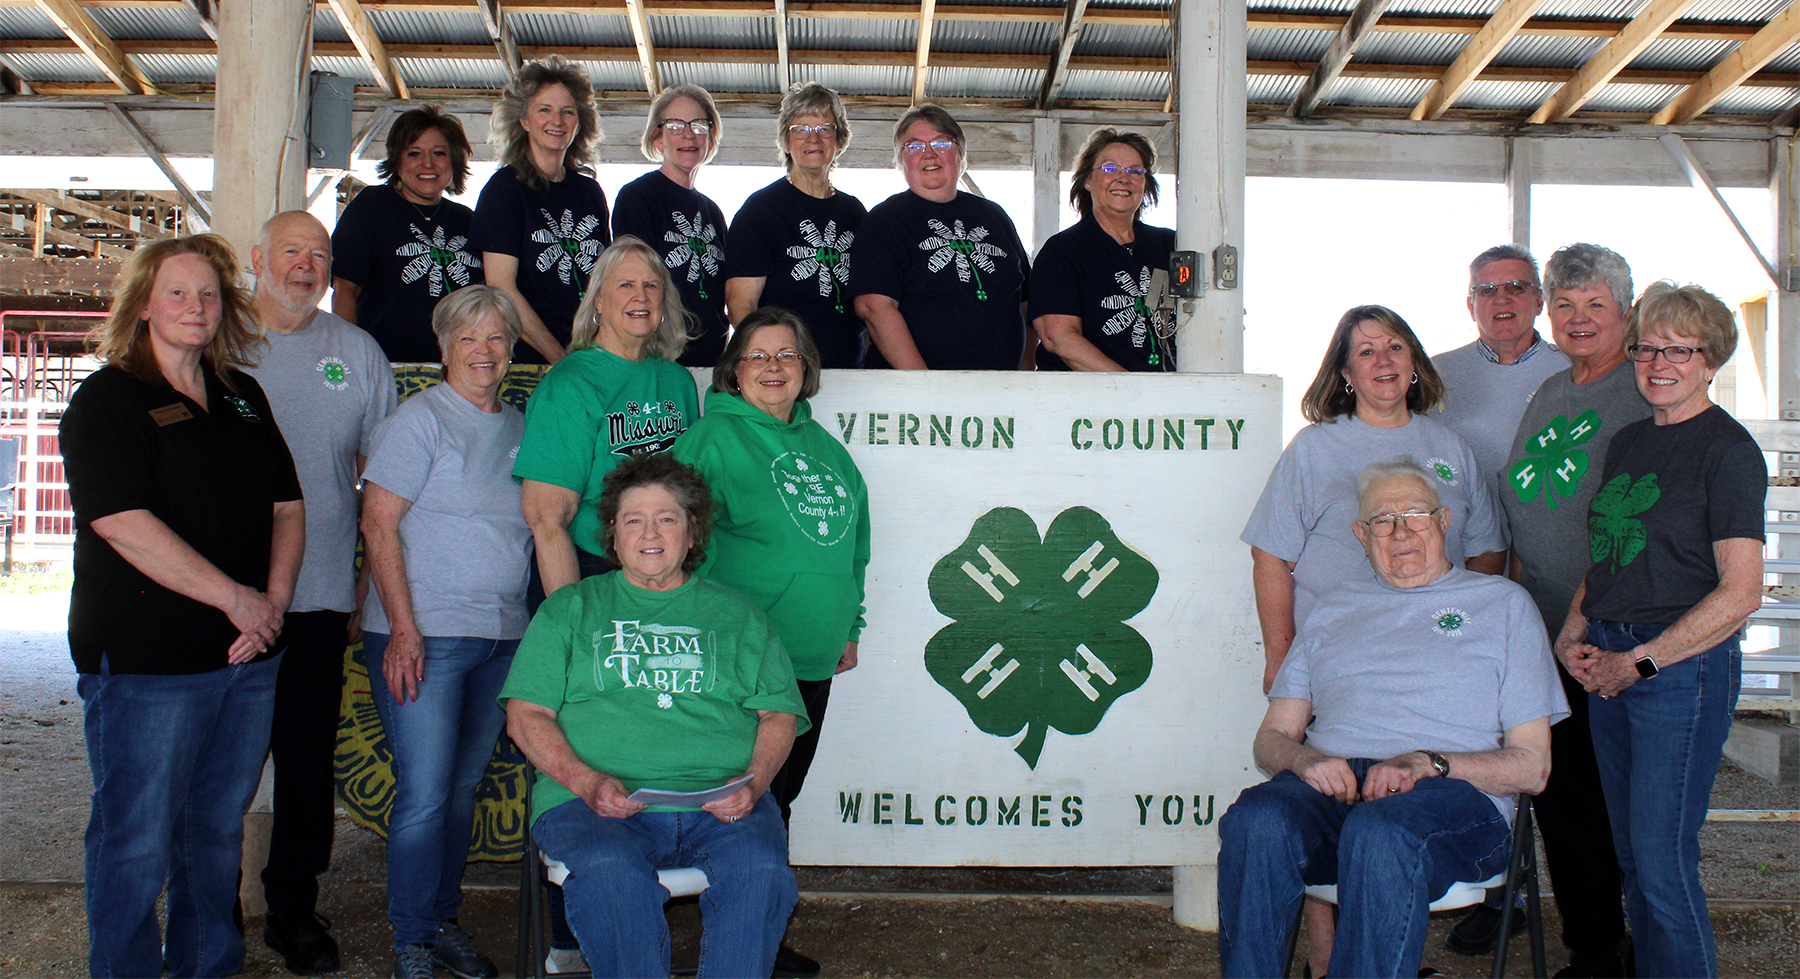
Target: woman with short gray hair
[451,554]
[790,243]
[1550,476]
[684,226]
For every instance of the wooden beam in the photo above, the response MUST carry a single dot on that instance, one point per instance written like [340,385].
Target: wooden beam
[646,48]
[20,274]
[1688,30]
[1619,52]
[368,44]
[1475,56]
[93,42]
[493,17]
[1350,37]
[1690,165]
[47,233]
[1731,71]
[203,12]
[783,77]
[162,162]
[91,211]
[922,57]
[1059,58]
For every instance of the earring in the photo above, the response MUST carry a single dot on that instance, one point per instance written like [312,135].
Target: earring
[1348,388]
[1415,379]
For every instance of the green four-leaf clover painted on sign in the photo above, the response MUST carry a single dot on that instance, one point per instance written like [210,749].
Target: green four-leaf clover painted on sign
[1554,461]
[1613,534]
[1040,639]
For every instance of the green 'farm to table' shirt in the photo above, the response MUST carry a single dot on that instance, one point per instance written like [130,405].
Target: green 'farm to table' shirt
[659,689]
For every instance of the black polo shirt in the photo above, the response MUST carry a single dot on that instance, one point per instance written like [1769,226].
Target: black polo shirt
[212,476]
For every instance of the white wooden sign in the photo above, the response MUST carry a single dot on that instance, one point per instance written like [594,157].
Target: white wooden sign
[1061,661]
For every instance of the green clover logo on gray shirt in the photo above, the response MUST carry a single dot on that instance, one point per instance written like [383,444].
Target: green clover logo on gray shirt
[1554,461]
[1040,639]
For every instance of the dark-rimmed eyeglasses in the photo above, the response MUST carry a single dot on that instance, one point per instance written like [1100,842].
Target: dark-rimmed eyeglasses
[1644,353]
[676,127]
[914,147]
[1515,287]
[1114,169]
[1417,521]
[786,358]
[824,130]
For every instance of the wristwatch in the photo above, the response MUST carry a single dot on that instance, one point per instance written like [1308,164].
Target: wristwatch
[1646,667]
[1438,762]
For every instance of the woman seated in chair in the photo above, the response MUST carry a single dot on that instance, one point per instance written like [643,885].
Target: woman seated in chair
[1444,673]
[653,679]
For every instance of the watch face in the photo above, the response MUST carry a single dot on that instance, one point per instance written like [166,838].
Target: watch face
[1646,667]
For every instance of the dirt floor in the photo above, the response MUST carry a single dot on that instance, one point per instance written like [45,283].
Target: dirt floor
[858,921]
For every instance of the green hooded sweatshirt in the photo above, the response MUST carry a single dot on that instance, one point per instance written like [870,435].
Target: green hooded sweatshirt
[790,524]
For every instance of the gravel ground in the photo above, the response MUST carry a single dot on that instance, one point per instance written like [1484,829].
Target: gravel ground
[854,919]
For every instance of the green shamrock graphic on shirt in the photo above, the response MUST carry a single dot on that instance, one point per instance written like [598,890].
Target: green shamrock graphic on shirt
[1040,639]
[1554,459]
[1613,534]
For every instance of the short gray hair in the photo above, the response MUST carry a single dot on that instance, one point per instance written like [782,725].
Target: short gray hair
[1580,265]
[472,304]
[1503,253]
[1376,473]
[653,123]
[939,119]
[808,99]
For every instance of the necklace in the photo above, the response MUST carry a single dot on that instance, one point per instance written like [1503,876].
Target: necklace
[428,218]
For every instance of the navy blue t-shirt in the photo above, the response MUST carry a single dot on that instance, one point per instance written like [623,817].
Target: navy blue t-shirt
[687,229]
[801,244]
[404,257]
[958,271]
[556,236]
[1083,272]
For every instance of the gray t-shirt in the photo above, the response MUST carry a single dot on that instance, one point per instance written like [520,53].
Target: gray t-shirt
[1307,507]
[1449,666]
[468,549]
[1483,400]
[329,386]
[1553,471]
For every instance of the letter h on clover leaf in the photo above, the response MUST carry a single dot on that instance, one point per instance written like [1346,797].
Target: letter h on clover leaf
[1554,459]
[1040,638]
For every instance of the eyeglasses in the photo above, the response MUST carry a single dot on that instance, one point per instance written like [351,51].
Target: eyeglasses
[916,147]
[1113,169]
[1517,287]
[1644,353]
[1417,521]
[786,358]
[823,131]
[675,127]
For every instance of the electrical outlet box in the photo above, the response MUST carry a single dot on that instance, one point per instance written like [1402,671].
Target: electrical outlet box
[328,121]
[1185,274]
[1225,267]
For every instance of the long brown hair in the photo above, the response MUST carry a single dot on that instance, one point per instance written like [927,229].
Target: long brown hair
[507,131]
[123,338]
[1329,396]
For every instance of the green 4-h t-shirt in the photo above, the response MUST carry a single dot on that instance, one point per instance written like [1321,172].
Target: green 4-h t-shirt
[594,410]
[1670,493]
[659,689]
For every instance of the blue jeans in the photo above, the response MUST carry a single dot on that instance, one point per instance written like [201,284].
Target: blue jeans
[441,745]
[1389,857]
[175,761]
[1658,745]
[615,904]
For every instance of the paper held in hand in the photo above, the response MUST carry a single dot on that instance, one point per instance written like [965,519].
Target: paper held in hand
[685,800]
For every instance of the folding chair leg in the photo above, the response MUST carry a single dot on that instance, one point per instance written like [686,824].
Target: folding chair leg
[530,959]
[1534,907]
[1521,869]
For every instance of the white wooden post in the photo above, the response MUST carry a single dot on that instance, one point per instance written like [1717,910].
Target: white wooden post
[1210,94]
[259,124]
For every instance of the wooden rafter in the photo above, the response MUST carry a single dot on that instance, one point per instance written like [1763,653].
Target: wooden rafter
[87,35]
[922,57]
[203,12]
[1637,35]
[1343,47]
[374,53]
[499,30]
[1475,56]
[783,77]
[1731,71]
[1059,58]
[92,211]
[156,156]
[646,49]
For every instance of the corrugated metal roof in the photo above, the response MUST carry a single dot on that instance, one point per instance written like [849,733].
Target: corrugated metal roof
[1523,97]
[1350,90]
[1136,86]
[1592,9]
[823,34]
[994,37]
[1787,62]
[1122,40]
[756,33]
[148,23]
[327,28]
[178,69]
[411,27]
[608,31]
[1757,101]
[1267,45]
[1535,51]
[1272,89]
[982,83]
[353,68]
[451,72]
[1443,8]
[611,76]
[1624,97]
[56,68]
[1410,49]
[1306,7]
[720,78]
[857,80]
[1741,11]
[1679,55]
[27,22]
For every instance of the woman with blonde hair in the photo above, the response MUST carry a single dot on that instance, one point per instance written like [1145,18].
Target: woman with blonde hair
[189,529]
[542,218]
[684,226]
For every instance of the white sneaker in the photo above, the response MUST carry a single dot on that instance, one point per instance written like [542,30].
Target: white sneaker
[565,960]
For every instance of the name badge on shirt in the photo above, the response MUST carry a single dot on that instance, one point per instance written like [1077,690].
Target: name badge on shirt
[170,414]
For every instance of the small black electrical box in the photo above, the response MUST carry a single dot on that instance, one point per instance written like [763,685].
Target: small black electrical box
[1184,274]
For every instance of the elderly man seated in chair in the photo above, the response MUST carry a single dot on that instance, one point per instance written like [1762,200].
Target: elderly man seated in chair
[1408,712]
